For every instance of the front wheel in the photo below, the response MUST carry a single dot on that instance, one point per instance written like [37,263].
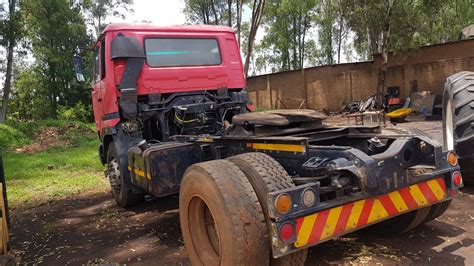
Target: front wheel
[119,178]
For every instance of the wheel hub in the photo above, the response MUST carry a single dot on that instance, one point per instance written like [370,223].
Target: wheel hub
[113,173]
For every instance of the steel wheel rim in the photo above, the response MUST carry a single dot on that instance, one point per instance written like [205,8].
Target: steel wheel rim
[449,126]
[113,173]
[204,232]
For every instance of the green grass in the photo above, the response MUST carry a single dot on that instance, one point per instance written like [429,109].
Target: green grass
[11,137]
[36,178]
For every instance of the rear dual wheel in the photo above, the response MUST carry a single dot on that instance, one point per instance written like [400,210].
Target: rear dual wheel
[223,207]
[221,219]
[402,223]
[267,175]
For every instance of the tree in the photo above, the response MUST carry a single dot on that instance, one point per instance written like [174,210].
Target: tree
[239,4]
[341,28]
[210,12]
[221,12]
[10,35]
[55,28]
[441,21]
[288,23]
[381,26]
[98,10]
[257,13]
[326,21]
[385,39]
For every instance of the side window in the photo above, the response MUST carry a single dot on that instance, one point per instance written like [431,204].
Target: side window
[96,67]
[99,62]
[102,60]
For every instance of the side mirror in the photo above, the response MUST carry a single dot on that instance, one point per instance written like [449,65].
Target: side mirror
[79,68]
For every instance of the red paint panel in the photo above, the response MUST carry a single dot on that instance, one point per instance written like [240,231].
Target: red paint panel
[388,205]
[318,226]
[299,223]
[441,183]
[408,198]
[426,190]
[343,217]
[364,216]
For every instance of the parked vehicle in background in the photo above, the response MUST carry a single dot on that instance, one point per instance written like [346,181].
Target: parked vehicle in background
[458,120]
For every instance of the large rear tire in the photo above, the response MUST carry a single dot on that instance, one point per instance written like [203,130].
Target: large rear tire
[403,223]
[267,175]
[221,219]
[119,177]
[458,120]
[437,210]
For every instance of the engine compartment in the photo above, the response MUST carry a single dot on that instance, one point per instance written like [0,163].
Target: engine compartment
[193,113]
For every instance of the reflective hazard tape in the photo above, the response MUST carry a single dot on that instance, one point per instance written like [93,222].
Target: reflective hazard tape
[330,223]
[276,147]
[138,172]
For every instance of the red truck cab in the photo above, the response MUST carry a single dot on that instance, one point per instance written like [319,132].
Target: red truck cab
[176,59]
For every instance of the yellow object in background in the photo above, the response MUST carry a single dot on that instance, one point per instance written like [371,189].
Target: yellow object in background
[399,113]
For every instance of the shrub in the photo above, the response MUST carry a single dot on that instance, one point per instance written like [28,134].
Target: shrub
[79,112]
[11,137]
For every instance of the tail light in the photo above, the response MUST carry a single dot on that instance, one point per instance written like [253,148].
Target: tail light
[457,179]
[283,203]
[287,232]
[452,158]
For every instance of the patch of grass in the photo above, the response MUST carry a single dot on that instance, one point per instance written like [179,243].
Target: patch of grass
[74,170]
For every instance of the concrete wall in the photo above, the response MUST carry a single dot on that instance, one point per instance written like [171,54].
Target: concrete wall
[329,87]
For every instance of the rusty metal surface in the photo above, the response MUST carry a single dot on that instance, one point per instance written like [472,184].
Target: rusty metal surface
[260,118]
[161,166]
[278,117]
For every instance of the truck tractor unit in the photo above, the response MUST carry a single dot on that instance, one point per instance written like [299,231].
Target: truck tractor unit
[255,188]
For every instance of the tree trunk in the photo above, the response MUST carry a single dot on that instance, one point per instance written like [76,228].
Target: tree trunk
[339,39]
[257,12]
[302,55]
[385,41]
[10,50]
[204,15]
[229,13]
[295,43]
[216,18]
[239,19]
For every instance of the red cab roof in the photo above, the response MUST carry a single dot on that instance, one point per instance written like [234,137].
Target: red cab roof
[177,28]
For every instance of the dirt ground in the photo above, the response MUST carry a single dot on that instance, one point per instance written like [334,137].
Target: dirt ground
[90,228]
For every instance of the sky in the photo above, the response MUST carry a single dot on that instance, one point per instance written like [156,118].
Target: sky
[158,12]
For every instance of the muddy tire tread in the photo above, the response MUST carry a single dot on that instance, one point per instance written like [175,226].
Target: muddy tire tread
[460,89]
[437,210]
[275,178]
[238,194]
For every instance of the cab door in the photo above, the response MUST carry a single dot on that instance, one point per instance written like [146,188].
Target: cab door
[98,83]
